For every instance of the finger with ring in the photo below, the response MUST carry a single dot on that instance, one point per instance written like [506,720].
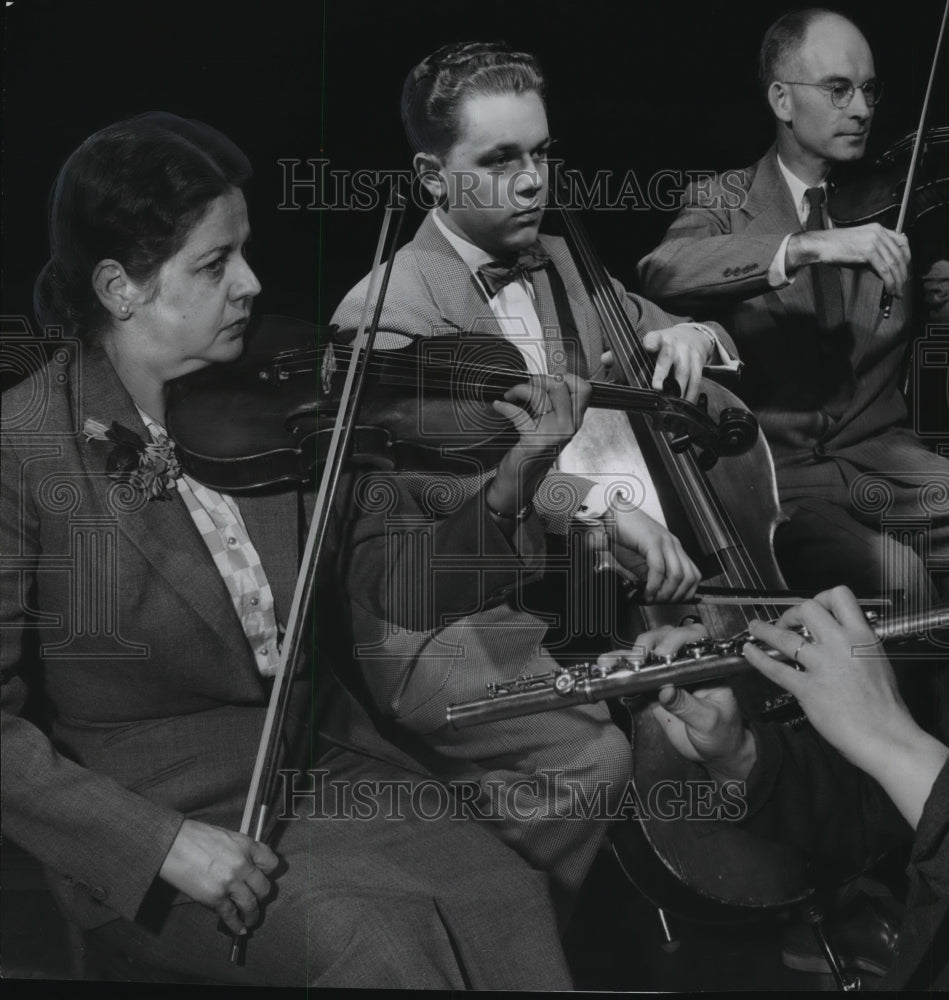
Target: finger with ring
[797,652]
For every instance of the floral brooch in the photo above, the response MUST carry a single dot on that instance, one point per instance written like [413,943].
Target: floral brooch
[151,468]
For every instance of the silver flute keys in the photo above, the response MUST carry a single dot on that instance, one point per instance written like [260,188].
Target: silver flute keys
[701,660]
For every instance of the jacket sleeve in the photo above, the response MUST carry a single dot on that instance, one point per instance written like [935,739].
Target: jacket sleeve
[802,792]
[417,558]
[418,550]
[648,316]
[930,853]
[100,836]
[702,262]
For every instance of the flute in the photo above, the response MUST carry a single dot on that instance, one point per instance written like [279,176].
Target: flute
[701,660]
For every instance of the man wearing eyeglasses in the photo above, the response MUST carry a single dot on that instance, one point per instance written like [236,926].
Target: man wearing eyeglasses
[758,250]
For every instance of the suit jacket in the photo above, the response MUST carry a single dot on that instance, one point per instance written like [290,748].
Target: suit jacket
[412,674]
[113,609]
[432,293]
[817,394]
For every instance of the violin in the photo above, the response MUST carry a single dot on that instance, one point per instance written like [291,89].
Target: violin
[871,199]
[876,194]
[267,419]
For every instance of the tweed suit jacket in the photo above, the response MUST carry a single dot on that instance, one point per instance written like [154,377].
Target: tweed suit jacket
[413,674]
[114,609]
[716,256]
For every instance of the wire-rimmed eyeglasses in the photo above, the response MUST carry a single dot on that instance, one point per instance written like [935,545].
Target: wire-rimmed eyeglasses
[841,92]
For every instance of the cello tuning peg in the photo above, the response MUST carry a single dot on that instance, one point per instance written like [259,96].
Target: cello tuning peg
[702,402]
[738,430]
[680,443]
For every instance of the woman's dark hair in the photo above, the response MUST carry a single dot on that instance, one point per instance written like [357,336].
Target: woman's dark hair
[435,88]
[131,192]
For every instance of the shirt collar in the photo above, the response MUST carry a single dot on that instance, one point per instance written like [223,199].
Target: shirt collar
[797,187]
[472,255]
[152,426]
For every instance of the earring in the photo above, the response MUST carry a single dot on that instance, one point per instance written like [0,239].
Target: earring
[124,309]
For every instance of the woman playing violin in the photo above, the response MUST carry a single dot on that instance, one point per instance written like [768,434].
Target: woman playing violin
[142,616]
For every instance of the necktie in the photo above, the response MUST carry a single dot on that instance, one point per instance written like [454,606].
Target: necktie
[835,372]
[828,291]
[497,273]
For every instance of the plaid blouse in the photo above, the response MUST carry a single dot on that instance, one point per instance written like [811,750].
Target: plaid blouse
[218,519]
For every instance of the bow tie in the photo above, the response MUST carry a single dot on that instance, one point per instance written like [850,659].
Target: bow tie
[496,273]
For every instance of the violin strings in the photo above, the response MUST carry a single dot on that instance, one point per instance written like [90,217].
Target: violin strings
[411,363]
[611,395]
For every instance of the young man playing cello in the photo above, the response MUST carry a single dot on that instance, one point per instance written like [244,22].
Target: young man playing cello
[475,117]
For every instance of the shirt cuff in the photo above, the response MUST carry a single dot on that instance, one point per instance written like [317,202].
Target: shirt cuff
[597,501]
[594,505]
[720,357]
[777,277]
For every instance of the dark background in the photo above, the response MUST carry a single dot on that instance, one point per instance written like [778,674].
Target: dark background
[631,86]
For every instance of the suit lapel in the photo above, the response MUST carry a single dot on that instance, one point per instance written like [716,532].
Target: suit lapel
[769,204]
[555,327]
[162,530]
[862,291]
[771,209]
[455,290]
[549,323]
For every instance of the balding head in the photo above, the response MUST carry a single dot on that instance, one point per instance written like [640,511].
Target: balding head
[788,41]
[822,90]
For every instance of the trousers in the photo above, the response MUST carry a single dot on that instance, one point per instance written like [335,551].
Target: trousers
[374,895]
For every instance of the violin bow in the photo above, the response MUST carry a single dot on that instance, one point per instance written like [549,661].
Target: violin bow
[886,300]
[256,809]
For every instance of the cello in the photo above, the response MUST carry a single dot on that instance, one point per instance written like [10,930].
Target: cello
[727,516]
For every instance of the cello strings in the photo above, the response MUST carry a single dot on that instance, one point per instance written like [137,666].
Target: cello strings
[690,478]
